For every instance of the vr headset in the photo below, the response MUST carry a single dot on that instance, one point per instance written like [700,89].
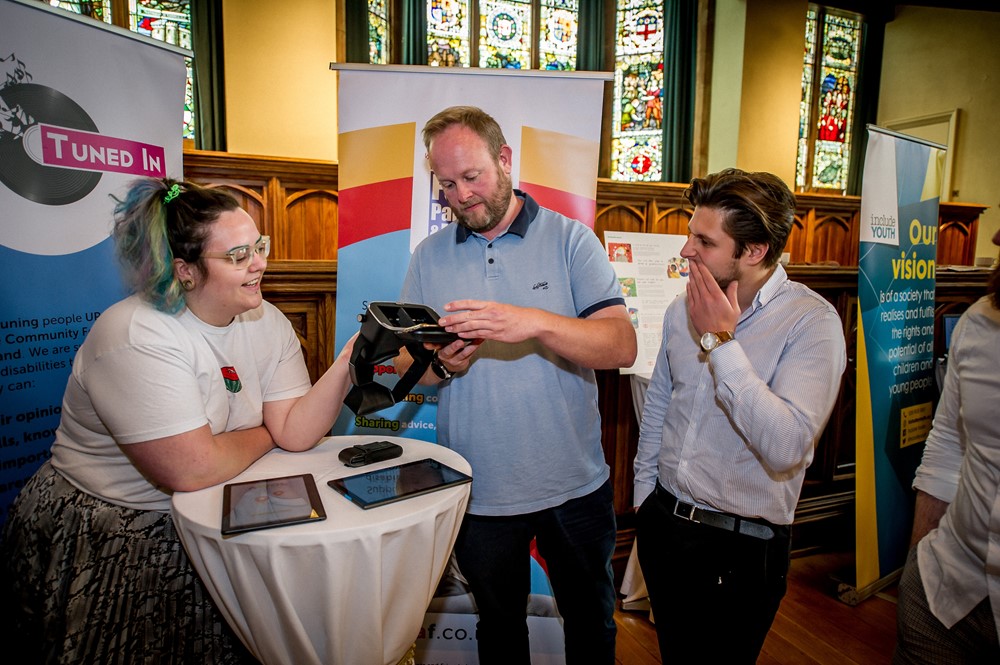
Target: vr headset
[385,328]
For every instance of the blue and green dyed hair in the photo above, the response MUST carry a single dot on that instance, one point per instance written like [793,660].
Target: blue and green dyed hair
[150,233]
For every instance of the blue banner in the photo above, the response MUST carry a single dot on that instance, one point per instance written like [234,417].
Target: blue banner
[896,389]
[84,109]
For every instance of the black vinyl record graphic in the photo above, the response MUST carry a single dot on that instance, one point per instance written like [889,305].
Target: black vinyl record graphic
[48,185]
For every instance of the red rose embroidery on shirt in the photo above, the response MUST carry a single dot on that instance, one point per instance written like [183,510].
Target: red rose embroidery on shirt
[232,379]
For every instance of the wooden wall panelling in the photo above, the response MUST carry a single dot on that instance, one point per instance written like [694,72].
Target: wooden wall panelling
[826,230]
[620,438]
[832,238]
[619,426]
[311,218]
[827,226]
[958,227]
[275,224]
[797,245]
[306,291]
[297,203]
[619,217]
[671,220]
[251,199]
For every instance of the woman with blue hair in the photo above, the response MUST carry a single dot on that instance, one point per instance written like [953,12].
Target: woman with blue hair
[178,387]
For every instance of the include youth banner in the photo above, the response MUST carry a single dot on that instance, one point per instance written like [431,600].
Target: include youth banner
[389,200]
[84,109]
[895,386]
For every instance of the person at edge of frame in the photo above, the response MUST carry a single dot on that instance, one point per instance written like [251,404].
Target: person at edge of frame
[949,593]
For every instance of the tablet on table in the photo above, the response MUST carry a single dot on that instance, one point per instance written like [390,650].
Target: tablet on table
[394,483]
[270,502]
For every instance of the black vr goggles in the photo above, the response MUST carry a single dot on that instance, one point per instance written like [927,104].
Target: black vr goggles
[386,327]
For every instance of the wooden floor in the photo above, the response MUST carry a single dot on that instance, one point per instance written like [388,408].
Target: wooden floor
[812,625]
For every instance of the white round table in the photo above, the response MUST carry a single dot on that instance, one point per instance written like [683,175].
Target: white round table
[350,589]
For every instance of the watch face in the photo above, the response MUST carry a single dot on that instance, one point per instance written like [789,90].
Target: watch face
[709,341]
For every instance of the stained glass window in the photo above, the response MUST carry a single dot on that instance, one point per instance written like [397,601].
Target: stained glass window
[168,21]
[557,24]
[507,35]
[504,34]
[448,27]
[829,90]
[637,116]
[378,32]
[101,10]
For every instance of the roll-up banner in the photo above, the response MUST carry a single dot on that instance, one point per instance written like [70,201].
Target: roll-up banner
[895,382]
[84,109]
[389,200]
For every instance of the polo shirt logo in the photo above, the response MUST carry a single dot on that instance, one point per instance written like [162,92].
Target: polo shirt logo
[232,379]
[540,285]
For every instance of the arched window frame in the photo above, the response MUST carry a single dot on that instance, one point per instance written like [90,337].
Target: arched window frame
[125,14]
[595,47]
[811,107]
[637,107]
[472,36]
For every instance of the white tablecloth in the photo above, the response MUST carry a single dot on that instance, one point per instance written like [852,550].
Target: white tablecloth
[350,589]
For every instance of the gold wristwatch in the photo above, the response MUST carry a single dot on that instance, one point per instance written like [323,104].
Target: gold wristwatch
[713,340]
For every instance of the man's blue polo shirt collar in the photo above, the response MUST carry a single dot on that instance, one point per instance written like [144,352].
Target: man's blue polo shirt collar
[520,224]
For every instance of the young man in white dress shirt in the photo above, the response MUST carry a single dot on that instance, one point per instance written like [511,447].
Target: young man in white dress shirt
[745,380]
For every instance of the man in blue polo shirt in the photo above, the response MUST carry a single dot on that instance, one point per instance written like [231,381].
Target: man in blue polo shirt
[536,303]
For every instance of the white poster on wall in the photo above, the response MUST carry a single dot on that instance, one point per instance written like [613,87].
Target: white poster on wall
[84,109]
[651,272]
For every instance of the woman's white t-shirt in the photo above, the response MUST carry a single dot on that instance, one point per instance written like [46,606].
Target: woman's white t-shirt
[142,374]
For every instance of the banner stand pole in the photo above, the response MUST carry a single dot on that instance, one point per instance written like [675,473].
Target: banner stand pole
[849,593]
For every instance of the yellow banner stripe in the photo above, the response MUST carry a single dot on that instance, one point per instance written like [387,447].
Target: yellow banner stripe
[559,161]
[376,154]
[866,517]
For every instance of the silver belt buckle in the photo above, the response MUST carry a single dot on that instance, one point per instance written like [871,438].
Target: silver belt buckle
[680,506]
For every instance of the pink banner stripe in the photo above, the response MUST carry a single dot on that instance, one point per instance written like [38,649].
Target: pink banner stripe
[86,151]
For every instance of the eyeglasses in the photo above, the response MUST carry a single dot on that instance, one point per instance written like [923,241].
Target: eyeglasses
[241,255]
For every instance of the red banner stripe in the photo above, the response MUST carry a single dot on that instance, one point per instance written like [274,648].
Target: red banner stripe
[373,210]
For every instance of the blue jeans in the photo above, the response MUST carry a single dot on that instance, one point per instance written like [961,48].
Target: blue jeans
[576,540]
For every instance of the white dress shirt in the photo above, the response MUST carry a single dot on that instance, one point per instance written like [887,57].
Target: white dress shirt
[960,559]
[734,429]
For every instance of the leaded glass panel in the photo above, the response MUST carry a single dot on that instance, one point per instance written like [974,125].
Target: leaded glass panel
[504,34]
[805,104]
[168,21]
[378,32]
[829,82]
[637,124]
[557,34]
[448,33]
[101,10]
[841,37]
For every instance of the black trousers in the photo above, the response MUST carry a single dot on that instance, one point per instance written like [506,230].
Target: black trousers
[577,540]
[714,593]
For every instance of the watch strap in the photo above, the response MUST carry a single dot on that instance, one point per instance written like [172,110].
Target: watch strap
[439,369]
